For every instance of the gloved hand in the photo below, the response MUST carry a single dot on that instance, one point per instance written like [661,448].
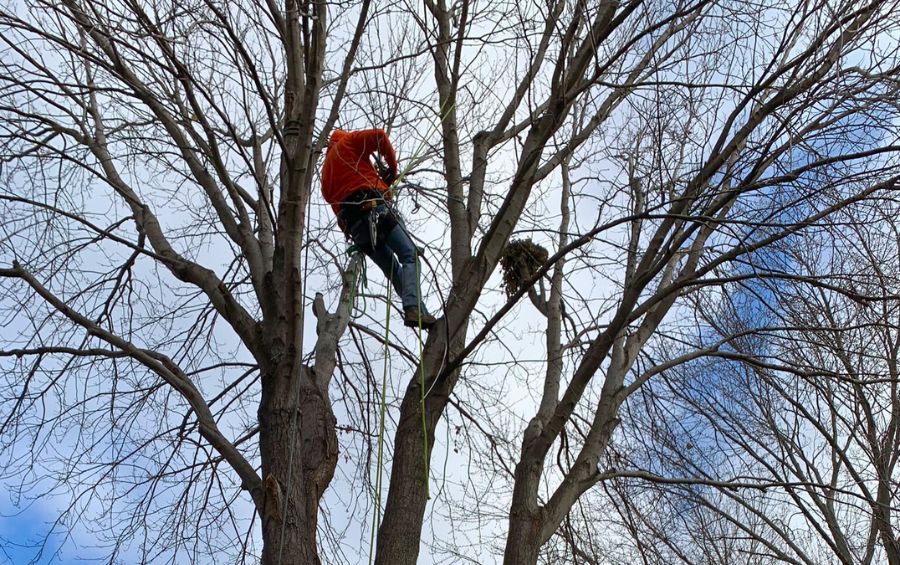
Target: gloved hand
[387,174]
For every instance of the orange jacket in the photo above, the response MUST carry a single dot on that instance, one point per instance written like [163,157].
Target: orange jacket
[348,166]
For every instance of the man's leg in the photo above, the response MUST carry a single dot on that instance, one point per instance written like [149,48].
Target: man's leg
[398,242]
[381,255]
[388,265]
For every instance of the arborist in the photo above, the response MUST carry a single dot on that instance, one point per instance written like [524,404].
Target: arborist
[362,200]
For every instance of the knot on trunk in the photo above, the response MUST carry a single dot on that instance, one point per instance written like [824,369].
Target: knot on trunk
[273,501]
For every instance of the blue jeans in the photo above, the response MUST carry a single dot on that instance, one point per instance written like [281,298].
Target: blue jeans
[396,255]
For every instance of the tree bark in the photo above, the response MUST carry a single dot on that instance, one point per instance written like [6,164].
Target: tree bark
[523,541]
[298,448]
[401,529]
[883,519]
[398,538]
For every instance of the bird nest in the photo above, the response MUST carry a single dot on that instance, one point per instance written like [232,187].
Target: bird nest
[520,261]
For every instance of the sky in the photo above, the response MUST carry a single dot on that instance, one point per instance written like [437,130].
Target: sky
[23,531]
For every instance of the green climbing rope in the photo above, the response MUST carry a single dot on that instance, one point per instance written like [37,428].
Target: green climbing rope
[376,522]
[411,162]
[422,379]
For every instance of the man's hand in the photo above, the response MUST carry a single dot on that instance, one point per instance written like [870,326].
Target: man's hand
[387,174]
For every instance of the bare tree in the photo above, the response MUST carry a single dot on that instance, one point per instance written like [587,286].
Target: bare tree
[803,402]
[196,123]
[695,209]
[160,162]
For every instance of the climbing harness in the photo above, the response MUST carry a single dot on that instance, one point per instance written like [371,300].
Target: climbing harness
[372,220]
[376,217]
[358,276]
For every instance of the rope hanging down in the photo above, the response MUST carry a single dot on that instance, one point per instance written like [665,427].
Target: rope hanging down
[422,382]
[376,522]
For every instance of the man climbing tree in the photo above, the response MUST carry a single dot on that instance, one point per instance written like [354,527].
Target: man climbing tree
[360,197]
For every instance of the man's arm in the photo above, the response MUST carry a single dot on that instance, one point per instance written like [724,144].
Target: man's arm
[372,140]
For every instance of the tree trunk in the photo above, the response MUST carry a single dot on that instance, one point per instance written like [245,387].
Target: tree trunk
[523,541]
[298,448]
[883,518]
[401,529]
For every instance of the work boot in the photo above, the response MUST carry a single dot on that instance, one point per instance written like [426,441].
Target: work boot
[411,318]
